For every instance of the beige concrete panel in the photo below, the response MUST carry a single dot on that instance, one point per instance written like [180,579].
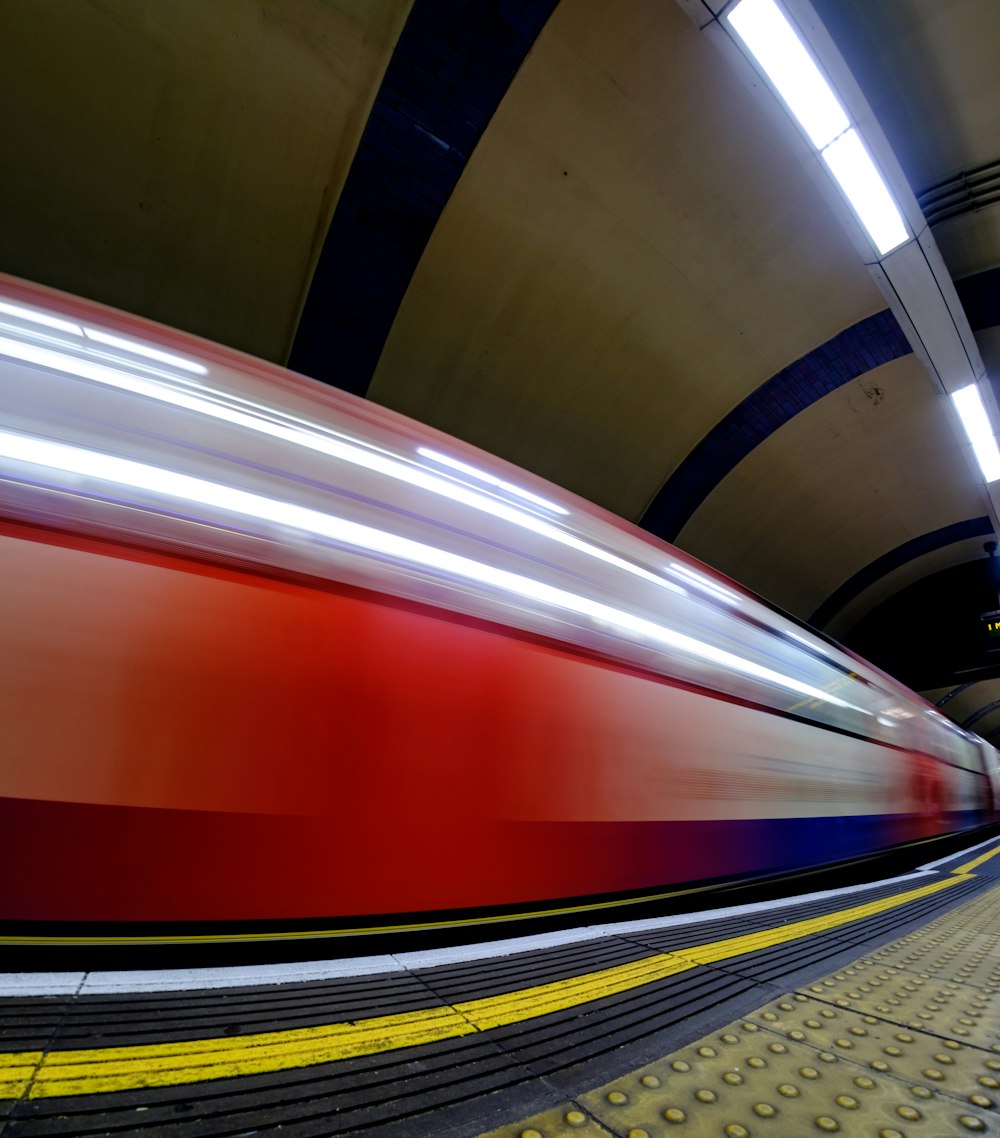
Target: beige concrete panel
[181,159]
[898,579]
[871,465]
[937,58]
[970,243]
[631,250]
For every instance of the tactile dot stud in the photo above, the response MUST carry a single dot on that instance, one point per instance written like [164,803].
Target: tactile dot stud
[828,1013]
[809,1072]
[730,1038]
[575,1117]
[827,1057]
[770,1017]
[756,1062]
[750,1027]
[674,1114]
[704,1095]
[865,1083]
[777,1048]
[732,1078]
[788,1090]
[847,1102]
[798,1036]
[922,1092]
[933,1073]
[890,1134]
[847,1045]
[616,1098]
[989,1081]
[813,1023]
[531,1134]
[707,1052]
[880,1065]
[970,1122]
[858,1031]
[980,1100]
[904,1037]
[734,1130]
[649,1081]
[638,1132]
[946,1059]
[828,1124]
[764,1110]
[910,1113]
[787,1007]
[680,1066]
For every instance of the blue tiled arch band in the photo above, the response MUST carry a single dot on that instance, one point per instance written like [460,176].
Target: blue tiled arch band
[866,345]
[894,559]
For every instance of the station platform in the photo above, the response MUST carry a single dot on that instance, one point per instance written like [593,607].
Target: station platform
[866,1010]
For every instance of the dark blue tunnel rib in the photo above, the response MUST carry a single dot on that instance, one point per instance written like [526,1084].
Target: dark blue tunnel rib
[452,65]
[866,345]
[915,547]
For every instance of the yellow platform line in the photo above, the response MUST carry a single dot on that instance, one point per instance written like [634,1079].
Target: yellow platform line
[106,1069]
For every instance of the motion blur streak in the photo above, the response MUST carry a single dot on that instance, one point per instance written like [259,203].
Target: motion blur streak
[107,468]
[207,404]
[240,682]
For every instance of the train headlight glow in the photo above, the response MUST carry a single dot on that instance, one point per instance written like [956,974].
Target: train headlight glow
[85,463]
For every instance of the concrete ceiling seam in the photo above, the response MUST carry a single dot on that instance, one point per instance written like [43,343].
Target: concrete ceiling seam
[908,551]
[866,345]
[451,67]
[912,276]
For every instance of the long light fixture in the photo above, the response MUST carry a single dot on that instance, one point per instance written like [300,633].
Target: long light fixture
[769,37]
[80,462]
[971,410]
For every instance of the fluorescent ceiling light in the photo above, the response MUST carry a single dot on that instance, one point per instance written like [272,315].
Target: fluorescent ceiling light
[490,479]
[147,350]
[785,60]
[969,405]
[771,40]
[156,480]
[851,165]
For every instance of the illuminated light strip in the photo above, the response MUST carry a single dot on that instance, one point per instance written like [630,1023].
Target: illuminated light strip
[210,404]
[156,480]
[772,41]
[42,318]
[968,403]
[490,479]
[141,349]
[849,162]
[103,1070]
[706,584]
[770,38]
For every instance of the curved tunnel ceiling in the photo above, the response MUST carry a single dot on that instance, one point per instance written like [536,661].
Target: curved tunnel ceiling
[564,232]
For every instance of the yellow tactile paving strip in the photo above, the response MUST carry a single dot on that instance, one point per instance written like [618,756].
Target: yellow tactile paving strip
[904,1043]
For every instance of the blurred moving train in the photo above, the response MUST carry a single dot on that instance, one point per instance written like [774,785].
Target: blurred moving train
[273,652]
